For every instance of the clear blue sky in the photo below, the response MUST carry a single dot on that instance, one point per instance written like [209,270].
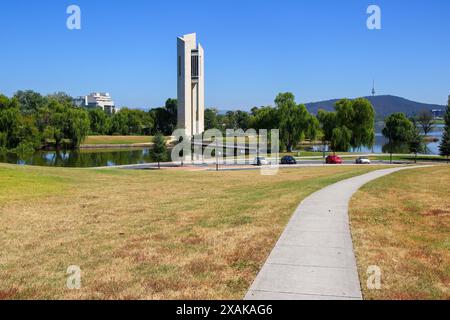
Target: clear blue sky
[254,49]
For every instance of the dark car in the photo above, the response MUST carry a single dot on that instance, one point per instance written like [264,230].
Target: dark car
[334,159]
[288,160]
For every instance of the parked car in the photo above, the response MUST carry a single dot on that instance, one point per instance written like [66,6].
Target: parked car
[288,160]
[260,161]
[363,160]
[334,159]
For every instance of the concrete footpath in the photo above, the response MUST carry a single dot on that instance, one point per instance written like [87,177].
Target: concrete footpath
[314,258]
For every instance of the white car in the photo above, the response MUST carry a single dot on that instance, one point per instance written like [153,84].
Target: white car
[363,160]
[260,161]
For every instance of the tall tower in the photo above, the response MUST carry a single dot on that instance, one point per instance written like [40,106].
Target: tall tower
[191,85]
[373,89]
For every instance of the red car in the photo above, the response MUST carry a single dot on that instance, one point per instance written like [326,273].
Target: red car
[334,160]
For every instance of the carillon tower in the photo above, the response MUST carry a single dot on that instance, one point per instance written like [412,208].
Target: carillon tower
[191,85]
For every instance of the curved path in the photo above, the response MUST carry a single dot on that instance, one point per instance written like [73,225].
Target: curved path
[314,258]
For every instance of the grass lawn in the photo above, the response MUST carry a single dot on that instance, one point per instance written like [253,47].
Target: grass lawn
[96,140]
[401,223]
[144,234]
[411,158]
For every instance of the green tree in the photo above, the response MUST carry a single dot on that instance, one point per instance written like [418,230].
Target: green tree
[77,126]
[211,119]
[61,123]
[148,123]
[53,118]
[294,120]
[62,98]
[242,120]
[165,118]
[415,143]
[230,120]
[264,118]
[159,150]
[341,138]
[119,124]
[29,133]
[358,116]
[98,121]
[353,118]
[444,147]
[327,122]
[30,101]
[313,128]
[398,129]
[52,135]
[134,121]
[362,124]
[3,140]
[425,120]
[10,121]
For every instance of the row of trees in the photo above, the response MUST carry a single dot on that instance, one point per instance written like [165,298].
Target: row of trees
[26,126]
[30,121]
[351,125]
[293,120]
[135,122]
[404,133]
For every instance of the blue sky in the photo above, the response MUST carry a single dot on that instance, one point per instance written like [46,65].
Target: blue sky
[254,49]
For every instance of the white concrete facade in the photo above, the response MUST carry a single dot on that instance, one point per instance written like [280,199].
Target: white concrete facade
[101,100]
[191,85]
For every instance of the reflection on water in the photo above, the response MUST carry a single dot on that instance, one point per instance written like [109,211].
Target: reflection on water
[80,159]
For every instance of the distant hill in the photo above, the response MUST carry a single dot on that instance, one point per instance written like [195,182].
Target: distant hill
[384,105]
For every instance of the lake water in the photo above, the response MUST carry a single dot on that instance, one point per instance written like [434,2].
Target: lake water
[105,158]
[81,159]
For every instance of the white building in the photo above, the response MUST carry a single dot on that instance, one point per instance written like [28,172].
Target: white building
[97,100]
[191,85]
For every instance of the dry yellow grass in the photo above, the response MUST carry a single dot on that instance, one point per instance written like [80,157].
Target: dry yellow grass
[144,234]
[401,223]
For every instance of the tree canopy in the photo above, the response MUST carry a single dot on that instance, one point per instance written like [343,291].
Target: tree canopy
[165,118]
[352,125]
[295,122]
[425,120]
[398,128]
[159,150]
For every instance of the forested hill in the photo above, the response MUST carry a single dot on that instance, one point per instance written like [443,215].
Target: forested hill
[384,105]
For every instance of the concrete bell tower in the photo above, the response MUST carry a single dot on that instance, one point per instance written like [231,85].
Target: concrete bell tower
[191,85]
